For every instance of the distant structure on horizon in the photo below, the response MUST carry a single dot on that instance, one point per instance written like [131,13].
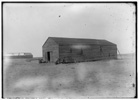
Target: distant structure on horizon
[66,50]
[18,55]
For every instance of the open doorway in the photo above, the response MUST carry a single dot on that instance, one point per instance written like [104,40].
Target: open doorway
[48,56]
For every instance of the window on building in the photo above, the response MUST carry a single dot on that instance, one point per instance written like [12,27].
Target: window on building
[81,51]
[100,49]
[70,50]
[109,54]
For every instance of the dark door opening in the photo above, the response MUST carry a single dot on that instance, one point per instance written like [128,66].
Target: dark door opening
[48,56]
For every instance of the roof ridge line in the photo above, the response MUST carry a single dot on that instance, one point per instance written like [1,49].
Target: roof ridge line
[76,38]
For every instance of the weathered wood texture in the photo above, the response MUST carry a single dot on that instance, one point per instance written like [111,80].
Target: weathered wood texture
[92,52]
[52,47]
[80,50]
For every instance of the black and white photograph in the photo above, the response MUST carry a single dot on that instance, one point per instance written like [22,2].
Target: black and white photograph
[69,50]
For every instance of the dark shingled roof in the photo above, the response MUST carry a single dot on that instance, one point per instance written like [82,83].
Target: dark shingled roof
[62,40]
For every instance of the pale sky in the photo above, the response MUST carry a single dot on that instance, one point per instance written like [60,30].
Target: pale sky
[27,26]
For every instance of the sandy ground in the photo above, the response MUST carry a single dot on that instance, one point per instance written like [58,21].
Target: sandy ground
[99,79]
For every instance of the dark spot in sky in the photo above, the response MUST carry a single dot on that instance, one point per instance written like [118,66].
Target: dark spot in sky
[133,85]
[130,75]
[59,15]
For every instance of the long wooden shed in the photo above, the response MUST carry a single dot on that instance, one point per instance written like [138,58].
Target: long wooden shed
[58,49]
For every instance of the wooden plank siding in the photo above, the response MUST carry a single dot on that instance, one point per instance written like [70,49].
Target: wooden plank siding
[92,53]
[53,48]
[81,50]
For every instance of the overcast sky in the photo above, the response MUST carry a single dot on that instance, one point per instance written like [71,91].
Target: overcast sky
[27,26]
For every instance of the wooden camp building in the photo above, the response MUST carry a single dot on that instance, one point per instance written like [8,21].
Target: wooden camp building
[19,55]
[57,49]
